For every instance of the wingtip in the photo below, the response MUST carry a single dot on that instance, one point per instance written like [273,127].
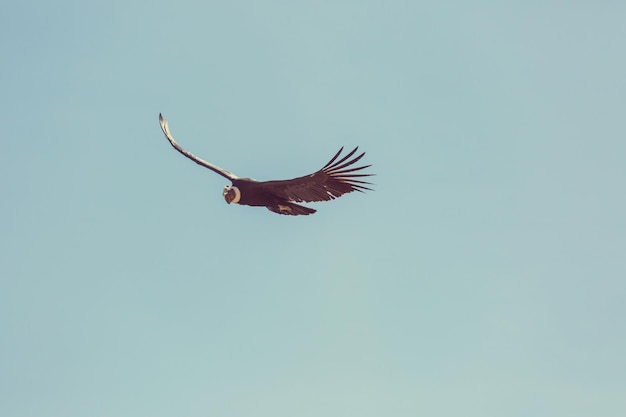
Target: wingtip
[164,127]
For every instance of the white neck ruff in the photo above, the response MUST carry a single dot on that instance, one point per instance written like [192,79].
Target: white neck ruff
[237,195]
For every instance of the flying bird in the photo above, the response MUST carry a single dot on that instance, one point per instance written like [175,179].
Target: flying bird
[332,181]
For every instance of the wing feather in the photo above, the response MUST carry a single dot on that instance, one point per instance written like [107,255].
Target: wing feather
[336,164]
[194,158]
[335,179]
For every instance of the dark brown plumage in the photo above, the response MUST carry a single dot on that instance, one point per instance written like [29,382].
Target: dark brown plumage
[335,179]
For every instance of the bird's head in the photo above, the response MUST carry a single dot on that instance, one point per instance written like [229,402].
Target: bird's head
[231,194]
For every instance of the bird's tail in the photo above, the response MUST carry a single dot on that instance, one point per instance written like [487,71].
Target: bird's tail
[291,209]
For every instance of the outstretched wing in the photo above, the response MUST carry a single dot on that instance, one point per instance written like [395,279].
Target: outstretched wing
[199,161]
[332,181]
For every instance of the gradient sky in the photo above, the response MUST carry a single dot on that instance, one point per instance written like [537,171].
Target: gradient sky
[485,276]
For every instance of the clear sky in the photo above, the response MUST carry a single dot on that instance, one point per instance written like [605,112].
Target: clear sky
[485,276]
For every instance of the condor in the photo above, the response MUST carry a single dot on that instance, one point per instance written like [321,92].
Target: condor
[335,179]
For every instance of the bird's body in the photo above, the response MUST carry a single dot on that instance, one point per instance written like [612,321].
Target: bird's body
[260,194]
[255,194]
[330,182]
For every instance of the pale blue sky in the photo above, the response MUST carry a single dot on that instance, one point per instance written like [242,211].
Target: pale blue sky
[485,276]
